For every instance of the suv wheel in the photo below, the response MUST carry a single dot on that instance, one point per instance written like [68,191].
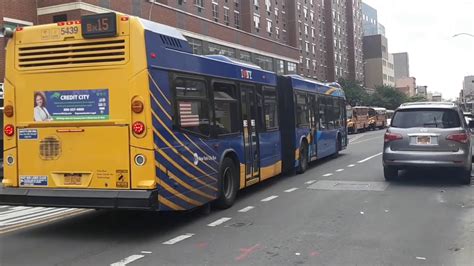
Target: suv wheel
[390,173]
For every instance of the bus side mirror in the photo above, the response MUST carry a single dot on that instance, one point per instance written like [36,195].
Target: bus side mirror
[7,32]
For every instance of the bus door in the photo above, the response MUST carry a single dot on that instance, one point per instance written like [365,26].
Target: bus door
[249,122]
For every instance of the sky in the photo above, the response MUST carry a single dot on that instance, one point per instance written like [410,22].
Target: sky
[424,29]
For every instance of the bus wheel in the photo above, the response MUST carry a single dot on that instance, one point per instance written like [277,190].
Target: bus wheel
[303,165]
[228,185]
[338,145]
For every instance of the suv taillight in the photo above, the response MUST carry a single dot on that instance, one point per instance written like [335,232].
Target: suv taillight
[392,136]
[458,137]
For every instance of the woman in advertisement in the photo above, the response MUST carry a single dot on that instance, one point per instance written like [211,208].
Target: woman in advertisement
[40,111]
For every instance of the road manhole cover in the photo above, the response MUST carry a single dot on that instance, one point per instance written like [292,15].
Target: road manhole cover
[349,185]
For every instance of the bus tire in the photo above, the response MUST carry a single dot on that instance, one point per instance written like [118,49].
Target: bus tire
[303,165]
[338,145]
[228,184]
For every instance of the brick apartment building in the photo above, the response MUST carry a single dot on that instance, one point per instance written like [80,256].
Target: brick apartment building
[321,39]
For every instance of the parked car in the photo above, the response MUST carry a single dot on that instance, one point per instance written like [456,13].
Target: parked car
[428,135]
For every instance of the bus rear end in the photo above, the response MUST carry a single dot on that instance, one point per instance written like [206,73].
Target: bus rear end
[76,115]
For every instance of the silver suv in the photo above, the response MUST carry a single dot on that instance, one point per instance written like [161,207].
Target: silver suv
[428,135]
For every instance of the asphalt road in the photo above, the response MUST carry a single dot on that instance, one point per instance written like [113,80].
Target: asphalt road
[340,212]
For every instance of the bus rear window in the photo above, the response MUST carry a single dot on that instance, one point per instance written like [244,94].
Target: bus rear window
[437,118]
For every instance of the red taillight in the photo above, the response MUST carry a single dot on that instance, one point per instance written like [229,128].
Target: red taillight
[9,130]
[459,137]
[153,55]
[138,128]
[392,136]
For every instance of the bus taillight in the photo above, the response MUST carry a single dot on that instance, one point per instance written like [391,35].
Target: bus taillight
[9,130]
[8,111]
[138,128]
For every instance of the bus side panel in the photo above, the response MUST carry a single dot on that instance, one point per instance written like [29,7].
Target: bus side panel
[327,140]
[287,123]
[270,154]
[186,166]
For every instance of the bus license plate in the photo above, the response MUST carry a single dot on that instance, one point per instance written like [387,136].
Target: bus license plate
[423,140]
[72,179]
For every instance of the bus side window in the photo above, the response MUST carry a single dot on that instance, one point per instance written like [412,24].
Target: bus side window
[337,113]
[192,106]
[329,113]
[312,111]
[270,108]
[322,113]
[302,119]
[226,109]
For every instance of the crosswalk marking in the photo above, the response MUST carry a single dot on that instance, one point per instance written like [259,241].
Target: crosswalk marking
[19,216]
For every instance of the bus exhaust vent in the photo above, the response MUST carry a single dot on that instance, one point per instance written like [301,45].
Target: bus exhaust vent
[50,148]
[171,42]
[72,54]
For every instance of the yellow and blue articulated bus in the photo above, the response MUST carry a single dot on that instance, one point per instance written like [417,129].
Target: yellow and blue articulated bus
[114,111]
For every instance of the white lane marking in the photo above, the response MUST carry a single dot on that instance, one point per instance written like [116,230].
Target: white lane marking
[127,260]
[351,165]
[329,174]
[420,258]
[146,252]
[178,239]
[369,158]
[310,182]
[291,189]
[364,140]
[269,198]
[15,214]
[339,170]
[246,209]
[35,216]
[220,221]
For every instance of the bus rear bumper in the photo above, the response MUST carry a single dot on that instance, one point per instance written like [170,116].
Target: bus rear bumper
[75,198]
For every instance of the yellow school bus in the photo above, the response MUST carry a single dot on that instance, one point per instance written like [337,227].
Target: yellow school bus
[357,119]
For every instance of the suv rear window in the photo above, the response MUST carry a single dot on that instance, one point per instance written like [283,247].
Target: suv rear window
[440,118]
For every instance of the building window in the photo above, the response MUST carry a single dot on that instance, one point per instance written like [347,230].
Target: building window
[215,11]
[245,56]
[264,62]
[226,16]
[220,50]
[256,21]
[280,67]
[268,5]
[199,4]
[196,45]
[269,26]
[237,19]
[59,18]
[291,68]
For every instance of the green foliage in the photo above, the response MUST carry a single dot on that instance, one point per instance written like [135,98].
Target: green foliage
[387,97]
[355,93]
[417,98]
[384,96]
